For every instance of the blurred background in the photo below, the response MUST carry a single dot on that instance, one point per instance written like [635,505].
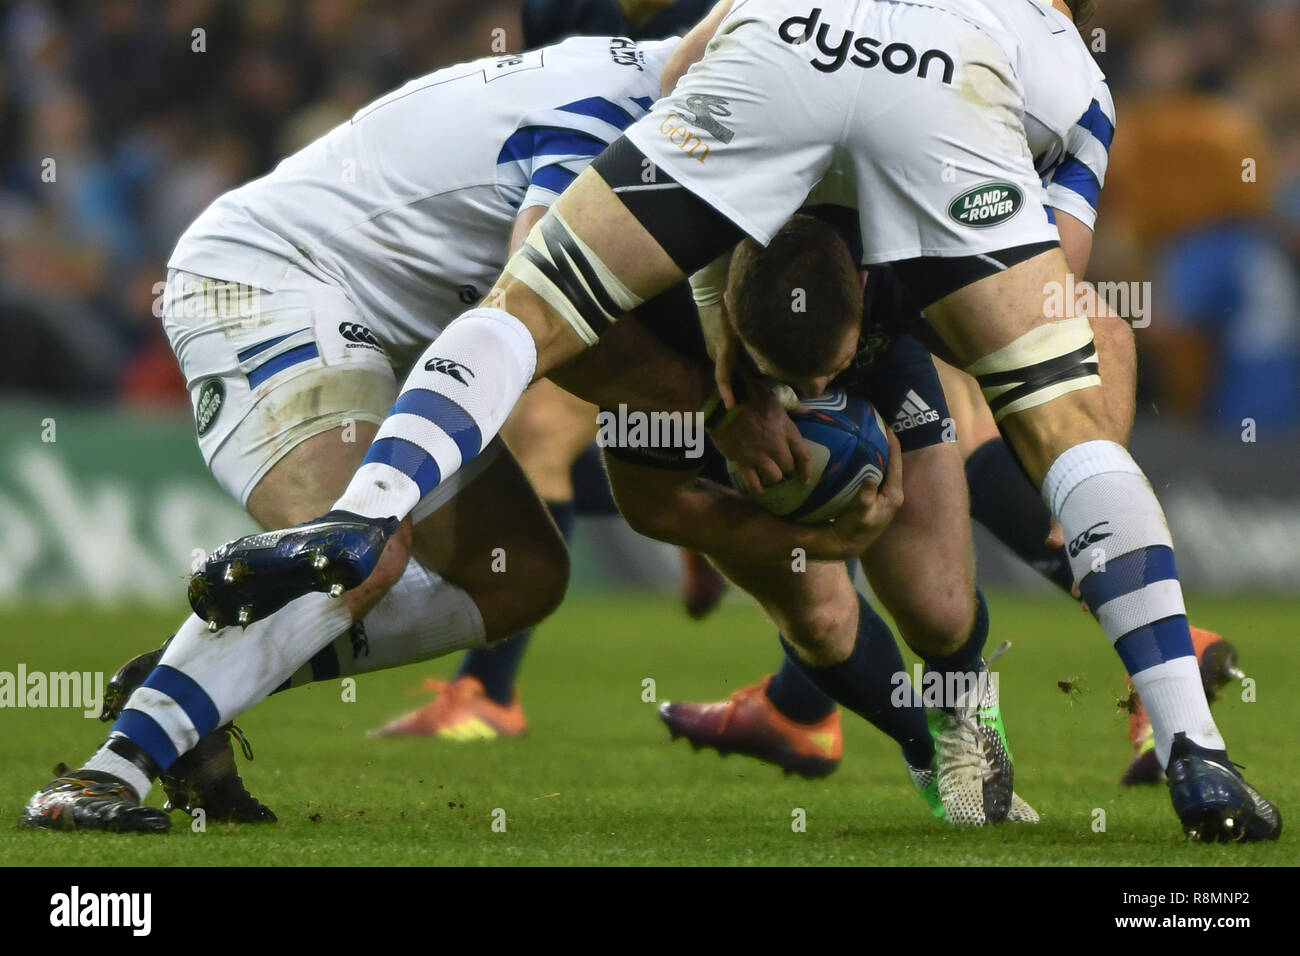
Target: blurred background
[120,120]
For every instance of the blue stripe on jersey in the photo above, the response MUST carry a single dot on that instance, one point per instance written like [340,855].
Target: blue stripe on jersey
[192,698]
[1165,640]
[1051,214]
[303,353]
[645,102]
[554,178]
[532,141]
[1078,178]
[1128,573]
[143,731]
[408,458]
[602,109]
[1096,122]
[446,414]
[252,350]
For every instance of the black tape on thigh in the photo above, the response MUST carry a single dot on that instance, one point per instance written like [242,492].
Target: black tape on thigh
[691,231]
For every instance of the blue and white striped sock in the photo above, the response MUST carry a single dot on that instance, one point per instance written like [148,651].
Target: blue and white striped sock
[207,679]
[1122,555]
[453,403]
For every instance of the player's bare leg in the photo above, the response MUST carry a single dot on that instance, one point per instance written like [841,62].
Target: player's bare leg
[405,611]
[1038,381]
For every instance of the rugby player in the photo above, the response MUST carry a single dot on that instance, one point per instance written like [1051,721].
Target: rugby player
[926,100]
[289,302]
[921,566]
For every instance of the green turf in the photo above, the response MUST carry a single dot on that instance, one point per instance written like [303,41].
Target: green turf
[596,780]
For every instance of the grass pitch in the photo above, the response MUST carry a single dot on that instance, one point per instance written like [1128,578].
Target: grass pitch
[597,782]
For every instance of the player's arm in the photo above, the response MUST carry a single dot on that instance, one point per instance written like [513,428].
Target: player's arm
[685,509]
[691,49]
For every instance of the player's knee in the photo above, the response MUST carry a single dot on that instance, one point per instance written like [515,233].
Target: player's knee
[941,623]
[823,630]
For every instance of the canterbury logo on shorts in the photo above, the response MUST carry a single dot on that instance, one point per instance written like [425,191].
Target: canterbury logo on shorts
[359,335]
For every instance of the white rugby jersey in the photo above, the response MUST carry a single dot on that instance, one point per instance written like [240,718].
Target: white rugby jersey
[1069,115]
[409,205]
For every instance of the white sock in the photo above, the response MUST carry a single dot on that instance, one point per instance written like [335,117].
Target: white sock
[422,616]
[207,679]
[1121,554]
[453,403]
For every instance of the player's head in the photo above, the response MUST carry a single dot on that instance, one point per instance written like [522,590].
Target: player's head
[797,304]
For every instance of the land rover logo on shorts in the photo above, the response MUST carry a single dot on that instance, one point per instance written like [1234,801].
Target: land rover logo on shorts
[211,397]
[986,205]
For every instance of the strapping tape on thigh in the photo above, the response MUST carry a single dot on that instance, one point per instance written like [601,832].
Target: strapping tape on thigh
[570,278]
[1041,365]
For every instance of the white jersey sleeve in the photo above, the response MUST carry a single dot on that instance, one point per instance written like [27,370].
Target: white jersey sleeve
[551,147]
[1073,181]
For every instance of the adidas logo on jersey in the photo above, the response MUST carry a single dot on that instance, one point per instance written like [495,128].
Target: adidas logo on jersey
[913,413]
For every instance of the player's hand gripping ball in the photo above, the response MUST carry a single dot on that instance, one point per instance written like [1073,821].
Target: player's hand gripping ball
[849,445]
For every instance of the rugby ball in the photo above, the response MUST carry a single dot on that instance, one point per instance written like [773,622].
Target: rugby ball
[849,445]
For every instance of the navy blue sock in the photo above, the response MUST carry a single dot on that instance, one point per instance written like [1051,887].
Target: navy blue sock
[966,659]
[496,666]
[867,683]
[1003,500]
[795,696]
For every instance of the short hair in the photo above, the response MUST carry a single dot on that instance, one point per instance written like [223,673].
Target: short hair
[793,301]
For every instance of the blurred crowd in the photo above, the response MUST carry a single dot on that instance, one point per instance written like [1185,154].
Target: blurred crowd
[121,119]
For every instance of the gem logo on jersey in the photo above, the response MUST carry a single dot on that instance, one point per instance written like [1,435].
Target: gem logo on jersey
[212,395]
[986,205]
[701,110]
[913,413]
[449,367]
[898,58]
[359,337]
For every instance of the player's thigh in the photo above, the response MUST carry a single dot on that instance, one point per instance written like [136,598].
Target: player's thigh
[973,423]
[922,567]
[489,533]
[1038,371]
[546,432]
[816,607]
[288,388]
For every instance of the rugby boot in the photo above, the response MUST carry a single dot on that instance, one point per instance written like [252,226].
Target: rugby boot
[1213,802]
[247,579]
[749,723]
[206,776]
[926,782]
[461,711]
[89,800]
[1218,664]
[975,770]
